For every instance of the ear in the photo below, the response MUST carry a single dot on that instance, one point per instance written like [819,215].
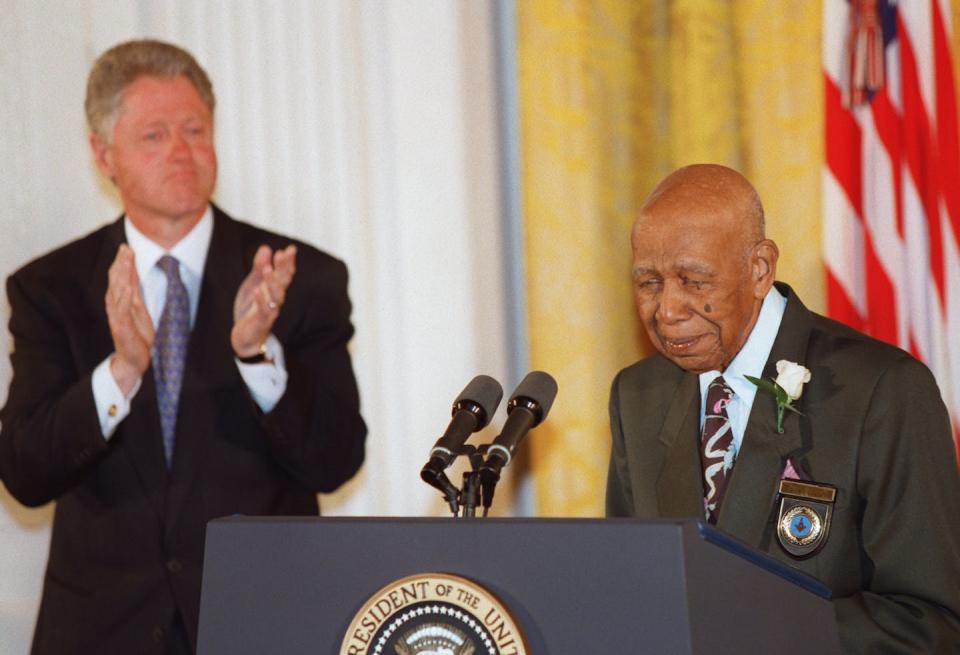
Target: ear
[764,267]
[102,156]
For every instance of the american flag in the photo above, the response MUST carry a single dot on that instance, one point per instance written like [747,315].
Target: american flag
[891,180]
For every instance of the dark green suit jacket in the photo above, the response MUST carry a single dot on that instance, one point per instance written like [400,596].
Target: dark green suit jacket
[873,425]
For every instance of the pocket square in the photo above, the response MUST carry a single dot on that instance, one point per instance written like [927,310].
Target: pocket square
[793,471]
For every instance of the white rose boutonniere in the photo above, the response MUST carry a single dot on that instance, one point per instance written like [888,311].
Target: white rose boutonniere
[791,377]
[786,388]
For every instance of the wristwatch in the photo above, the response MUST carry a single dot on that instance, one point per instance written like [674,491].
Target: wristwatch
[258,357]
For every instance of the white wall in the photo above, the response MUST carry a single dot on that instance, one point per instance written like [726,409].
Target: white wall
[365,127]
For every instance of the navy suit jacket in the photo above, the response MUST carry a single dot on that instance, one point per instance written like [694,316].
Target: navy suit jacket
[127,543]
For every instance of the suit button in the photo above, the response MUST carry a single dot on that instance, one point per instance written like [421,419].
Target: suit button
[158,635]
[174,566]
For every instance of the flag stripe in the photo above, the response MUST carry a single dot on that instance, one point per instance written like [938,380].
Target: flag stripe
[883,242]
[841,308]
[845,232]
[888,132]
[881,321]
[948,140]
[918,153]
[843,146]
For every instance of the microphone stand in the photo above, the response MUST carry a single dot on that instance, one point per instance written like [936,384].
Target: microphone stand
[463,502]
[470,493]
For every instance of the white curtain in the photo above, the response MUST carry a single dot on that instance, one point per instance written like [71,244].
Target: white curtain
[364,127]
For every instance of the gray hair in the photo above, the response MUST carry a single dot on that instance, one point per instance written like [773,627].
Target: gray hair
[119,66]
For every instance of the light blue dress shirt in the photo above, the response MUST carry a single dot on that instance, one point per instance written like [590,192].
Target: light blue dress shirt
[749,361]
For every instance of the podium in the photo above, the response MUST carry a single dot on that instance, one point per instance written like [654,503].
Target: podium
[574,587]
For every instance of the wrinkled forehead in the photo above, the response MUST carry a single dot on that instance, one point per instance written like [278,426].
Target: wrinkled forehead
[686,241]
[686,223]
[672,202]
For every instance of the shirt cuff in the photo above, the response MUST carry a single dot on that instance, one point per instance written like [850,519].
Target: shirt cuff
[112,406]
[266,381]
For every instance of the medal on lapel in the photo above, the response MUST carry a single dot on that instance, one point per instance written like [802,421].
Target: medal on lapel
[803,522]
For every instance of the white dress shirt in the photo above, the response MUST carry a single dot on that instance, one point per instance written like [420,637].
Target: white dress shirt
[749,361]
[267,382]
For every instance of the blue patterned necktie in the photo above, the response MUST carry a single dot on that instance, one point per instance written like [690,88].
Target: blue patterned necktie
[716,447]
[170,351]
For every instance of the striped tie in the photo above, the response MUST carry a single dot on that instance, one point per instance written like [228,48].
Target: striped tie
[170,351]
[716,447]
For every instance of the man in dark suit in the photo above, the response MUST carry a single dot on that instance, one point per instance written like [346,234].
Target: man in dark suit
[693,437]
[170,368]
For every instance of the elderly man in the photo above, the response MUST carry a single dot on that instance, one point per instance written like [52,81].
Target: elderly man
[171,367]
[860,489]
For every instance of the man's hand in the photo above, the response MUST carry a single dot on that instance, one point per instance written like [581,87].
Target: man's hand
[130,324]
[260,298]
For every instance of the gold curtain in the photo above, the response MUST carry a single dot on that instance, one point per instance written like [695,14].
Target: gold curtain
[614,94]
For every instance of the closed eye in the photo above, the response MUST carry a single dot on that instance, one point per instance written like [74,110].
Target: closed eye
[647,283]
[693,283]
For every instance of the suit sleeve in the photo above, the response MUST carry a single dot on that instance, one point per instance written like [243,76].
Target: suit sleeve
[619,496]
[910,525]
[50,430]
[315,430]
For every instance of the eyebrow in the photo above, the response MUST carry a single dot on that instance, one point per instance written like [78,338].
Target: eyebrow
[691,267]
[684,267]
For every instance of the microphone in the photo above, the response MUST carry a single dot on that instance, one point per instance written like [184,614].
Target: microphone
[472,411]
[527,408]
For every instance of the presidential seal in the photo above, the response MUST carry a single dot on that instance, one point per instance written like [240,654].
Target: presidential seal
[433,614]
[803,523]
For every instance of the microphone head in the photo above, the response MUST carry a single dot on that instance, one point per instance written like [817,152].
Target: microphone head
[481,396]
[537,387]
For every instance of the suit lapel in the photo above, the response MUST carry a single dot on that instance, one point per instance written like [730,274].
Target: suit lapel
[138,436]
[750,496]
[679,490]
[209,364]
